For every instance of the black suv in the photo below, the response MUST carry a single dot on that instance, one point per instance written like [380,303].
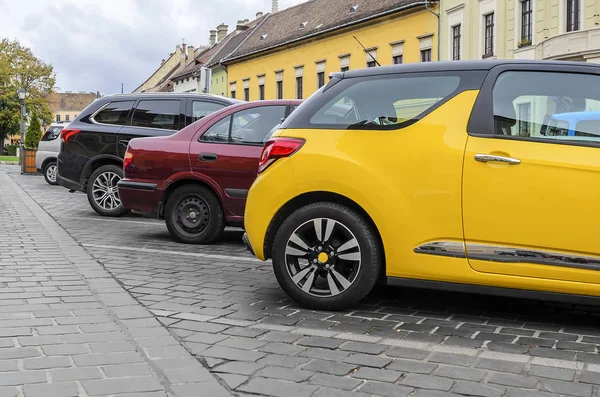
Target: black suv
[94,144]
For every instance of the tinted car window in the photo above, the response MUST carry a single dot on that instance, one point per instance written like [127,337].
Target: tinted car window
[253,126]
[218,132]
[162,114]
[114,113]
[383,102]
[52,133]
[201,109]
[567,110]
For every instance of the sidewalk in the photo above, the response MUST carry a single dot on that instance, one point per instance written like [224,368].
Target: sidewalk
[67,328]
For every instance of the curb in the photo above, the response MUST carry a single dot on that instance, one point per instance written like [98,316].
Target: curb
[9,162]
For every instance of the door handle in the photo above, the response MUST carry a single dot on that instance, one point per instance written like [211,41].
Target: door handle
[484,158]
[207,157]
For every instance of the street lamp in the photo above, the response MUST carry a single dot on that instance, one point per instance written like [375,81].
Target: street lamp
[21,93]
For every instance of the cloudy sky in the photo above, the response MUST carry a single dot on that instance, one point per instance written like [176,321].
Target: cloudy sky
[97,45]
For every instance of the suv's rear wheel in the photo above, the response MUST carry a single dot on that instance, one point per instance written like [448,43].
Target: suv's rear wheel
[194,215]
[103,193]
[50,171]
[326,256]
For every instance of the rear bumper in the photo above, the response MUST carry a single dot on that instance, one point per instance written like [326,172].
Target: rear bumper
[69,184]
[140,196]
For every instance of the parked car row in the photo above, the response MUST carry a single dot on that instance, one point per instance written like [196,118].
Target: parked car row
[468,176]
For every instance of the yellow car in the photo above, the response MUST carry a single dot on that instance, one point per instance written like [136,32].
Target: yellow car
[436,175]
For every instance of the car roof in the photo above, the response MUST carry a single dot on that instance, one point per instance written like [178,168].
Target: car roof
[450,66]
[139,95]
[571,116]
[270,102]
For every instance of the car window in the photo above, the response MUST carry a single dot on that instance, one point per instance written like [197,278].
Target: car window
[568,110]
[254,126]
[202,109]
[218,132]
[384,102]
[52,133]
[114,113]
[163,114]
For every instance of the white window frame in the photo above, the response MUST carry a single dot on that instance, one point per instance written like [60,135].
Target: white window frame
[487,7]
[455,18]
[562,16]
[344,61]
[518,24]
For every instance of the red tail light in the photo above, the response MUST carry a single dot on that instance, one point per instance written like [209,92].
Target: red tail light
[128,159]
[65,134]
[277,148]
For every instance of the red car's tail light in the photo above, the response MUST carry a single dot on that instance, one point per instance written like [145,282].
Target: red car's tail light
[65,134]
[127,159]
[277,148]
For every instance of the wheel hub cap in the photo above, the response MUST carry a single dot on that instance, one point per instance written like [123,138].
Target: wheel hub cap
[323,257]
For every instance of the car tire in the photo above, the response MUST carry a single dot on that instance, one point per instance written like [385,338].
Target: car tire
[50,172]
[194,215]
[349,248]
[102,191]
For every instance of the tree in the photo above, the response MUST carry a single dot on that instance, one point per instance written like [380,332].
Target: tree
[19,68]
[34,133]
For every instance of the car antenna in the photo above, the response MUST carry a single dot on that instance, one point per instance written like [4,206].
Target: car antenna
[369,52]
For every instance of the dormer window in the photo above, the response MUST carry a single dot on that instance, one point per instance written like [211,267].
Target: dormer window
[303,25]
[264,36]
[318,26]
[353,9]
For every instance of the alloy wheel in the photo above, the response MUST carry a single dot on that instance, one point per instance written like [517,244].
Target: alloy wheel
[51,173]
[323,257]
[106,192]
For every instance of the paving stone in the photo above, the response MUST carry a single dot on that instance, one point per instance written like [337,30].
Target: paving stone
[278,388]
[569,388]
[558,336]
[589,357]
[212,389]
[386,389]
[427,382]
[581,347]
[9,365]
[121,385]
[470,374]
[513,380]
[367,360]
[329,367]
[294,375]
[9,392]
[112,347]
[508,347]
[501,366]
[477,389]
[283,361]
[282,348]
[452,359]
[589,377]
[551,372]
[242,343]
[403,352]
[70,374]
[232,380]
[22,377]
[552,353]
[64,350]
[187,375]
[527,393]
[316,341]
[18,352]
[336,382]
[67,389]
[324,354]
[46,362]
[88,360]
[362,347]
[127,370]
[433,393]
[229,353]
[239,367]
[201,326]
[329,392]
[382,375]
[412,366]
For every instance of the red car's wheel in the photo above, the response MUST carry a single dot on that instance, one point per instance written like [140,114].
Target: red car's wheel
[194,215]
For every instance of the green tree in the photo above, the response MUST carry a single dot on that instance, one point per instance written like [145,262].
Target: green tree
[34,133]
[20,68]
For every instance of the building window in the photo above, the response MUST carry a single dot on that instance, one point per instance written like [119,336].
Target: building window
[345,68]
[489,36]
[456,36]
[371,64]
[426,55]
[320,79]
[58,118]
[232,89]
[67,118]
[397,52]
[398,59]
[246,94]
[261,92]
[573,15]
[280,90]
[526,23]
[524,119]
[232,94]
[371,57]
[299,87]
[344,63]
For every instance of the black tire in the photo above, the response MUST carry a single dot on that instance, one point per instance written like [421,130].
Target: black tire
[207,221]
[50,171]
[363,279]
[110,209]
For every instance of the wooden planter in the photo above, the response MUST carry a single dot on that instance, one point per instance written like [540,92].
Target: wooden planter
[28,164]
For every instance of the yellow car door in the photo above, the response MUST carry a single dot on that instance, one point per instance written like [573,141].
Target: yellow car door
[531,189]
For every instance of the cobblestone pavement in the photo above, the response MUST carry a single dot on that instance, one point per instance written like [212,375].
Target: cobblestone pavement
[226,309]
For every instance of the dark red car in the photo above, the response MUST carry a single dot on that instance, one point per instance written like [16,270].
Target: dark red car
[198,178]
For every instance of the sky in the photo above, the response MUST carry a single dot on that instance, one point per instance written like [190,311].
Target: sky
[97,45]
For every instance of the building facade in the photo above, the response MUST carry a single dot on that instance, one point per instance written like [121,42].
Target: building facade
[67,105]
[160,79]
[520,29]
[291,53]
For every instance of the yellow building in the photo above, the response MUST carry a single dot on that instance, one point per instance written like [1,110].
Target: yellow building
[67,105]
[521,29]
[291,52]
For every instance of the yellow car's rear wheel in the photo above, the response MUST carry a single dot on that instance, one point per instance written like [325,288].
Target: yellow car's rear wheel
[326,256]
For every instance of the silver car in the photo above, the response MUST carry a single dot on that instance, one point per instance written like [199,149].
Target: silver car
[47,153]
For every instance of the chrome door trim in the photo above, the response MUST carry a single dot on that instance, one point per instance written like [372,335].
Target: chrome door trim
[453,249]
[493,253]
[484,158]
